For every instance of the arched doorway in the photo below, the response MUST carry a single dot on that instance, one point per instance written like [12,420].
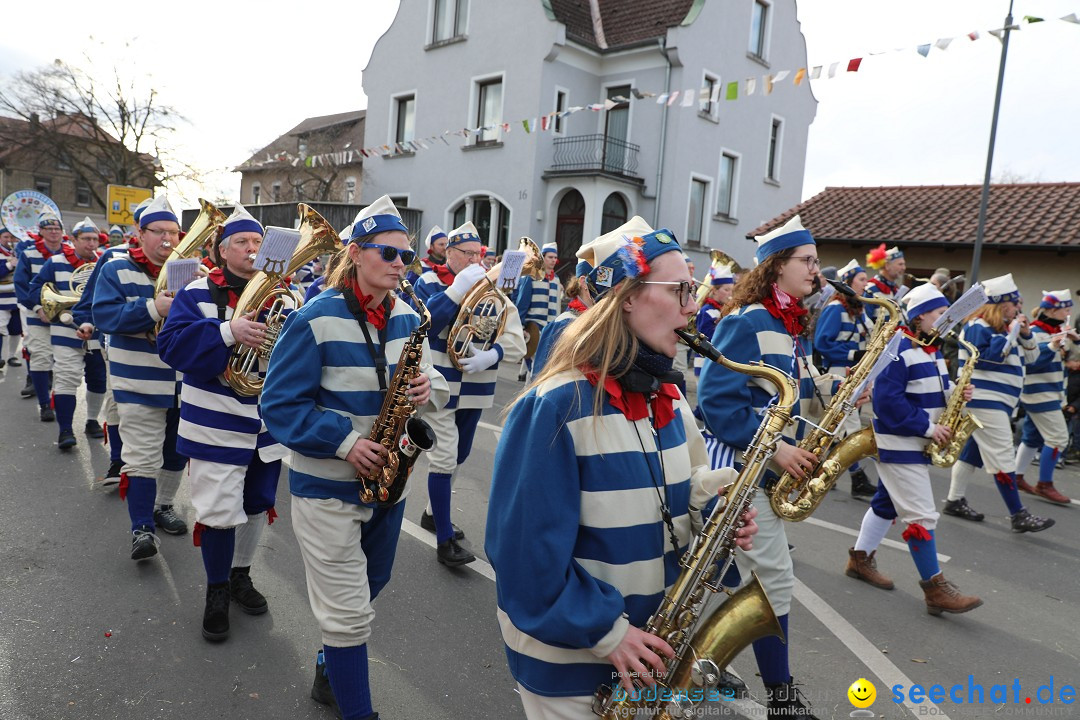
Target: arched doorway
[615,213]
[486,211]
[569,232]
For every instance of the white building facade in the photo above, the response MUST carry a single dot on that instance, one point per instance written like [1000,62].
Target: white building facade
[710,173]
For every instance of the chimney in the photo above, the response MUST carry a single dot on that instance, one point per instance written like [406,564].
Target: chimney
[34,121]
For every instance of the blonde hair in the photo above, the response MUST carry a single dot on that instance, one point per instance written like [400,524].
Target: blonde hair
[340,268]
[597,339]
[994,316]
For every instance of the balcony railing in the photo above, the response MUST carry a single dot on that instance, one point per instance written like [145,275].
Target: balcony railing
[595,153]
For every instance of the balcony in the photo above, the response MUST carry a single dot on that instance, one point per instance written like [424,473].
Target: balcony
[592,154]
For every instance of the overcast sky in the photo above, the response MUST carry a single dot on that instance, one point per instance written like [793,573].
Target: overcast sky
[244,72]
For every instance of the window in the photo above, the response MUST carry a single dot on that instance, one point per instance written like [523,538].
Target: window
[63,162]
[275,192]
[43,186]
[489,110]
[450,17]
[350,189]
[484,214]
[696,212]
[759,27]
[405,122]
[82,194]
[706,104]
[727,184]
[614,213]
[401,201]
[776,136]
[256,192]
[560,106]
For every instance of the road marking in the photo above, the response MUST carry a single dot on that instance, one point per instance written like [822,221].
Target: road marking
[855,533]
[859,645]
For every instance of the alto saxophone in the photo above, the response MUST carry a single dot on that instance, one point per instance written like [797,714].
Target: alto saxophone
[961,423]
[704,646]
[794,499]
[397,428]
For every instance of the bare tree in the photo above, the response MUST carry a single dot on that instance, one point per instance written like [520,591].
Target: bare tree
[105,130]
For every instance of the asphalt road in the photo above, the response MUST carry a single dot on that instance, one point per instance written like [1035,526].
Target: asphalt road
[87,633]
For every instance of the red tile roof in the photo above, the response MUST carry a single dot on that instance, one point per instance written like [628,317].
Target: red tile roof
[623,22]
[1029,215]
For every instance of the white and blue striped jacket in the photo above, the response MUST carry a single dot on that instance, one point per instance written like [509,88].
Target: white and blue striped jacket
[8,301]
[707,317]
[577,541]
[83,312]
[732,403]
[321,392]
[549,336]
[908,399]
[466,391]
[216,424]
[30,262]
[57,270]
[124,310]
[538,301]
[838,336]
[999,374]
[879,287]
[1044,378]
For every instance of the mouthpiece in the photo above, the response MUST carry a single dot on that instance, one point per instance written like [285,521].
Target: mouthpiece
[65,318]
[166,244]
[841,287]
[252,256]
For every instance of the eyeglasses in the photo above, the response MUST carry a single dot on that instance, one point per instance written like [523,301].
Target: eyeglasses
[163,233]
[470,254]
[812,261]
[389,253]
[684,291]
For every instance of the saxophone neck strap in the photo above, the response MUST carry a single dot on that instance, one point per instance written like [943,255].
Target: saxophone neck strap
[378,352]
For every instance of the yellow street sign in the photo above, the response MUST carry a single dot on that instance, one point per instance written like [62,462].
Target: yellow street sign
[122,201]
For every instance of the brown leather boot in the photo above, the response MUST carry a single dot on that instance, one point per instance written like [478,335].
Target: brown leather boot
[1051,493]
[864,567]
[1022,485]
[943,596]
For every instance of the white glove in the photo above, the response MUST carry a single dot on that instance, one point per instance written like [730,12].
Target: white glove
[464,280]
[479,359]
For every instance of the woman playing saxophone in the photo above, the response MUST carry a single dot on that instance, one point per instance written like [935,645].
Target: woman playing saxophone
[586,543]
[328,374]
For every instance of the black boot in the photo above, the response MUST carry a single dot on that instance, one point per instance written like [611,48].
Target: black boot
[243,592]
[787,701]
[452,555]
[143,543]
[960,508]
[45,412]
[215,622]
[94,429]
[28,388]
[861,487]
[66,440]
[1024,521]
[320,689]
[427,521]
[167,519]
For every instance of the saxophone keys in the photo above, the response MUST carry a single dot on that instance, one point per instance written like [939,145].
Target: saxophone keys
[384,494]
[366,495]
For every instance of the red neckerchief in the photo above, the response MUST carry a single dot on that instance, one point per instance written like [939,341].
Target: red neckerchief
[577,306]
[785,308]
[446,275]
[710,301]
[930,349]
[139,258]
[6,252]
[550,276]
[376,316]
[634,405]
[46,253]
[883,285]
[1048,328]
[73,259]
[208,263]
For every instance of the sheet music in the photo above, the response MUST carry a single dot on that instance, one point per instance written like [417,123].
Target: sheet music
[973,299]
[180,273]
[277,249]
[825,295]
[889,356]
[900,293]
[1010,340]
[512,263]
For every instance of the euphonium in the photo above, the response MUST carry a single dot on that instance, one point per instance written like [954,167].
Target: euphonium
[397,428]
[266,290]
[794,499]
[56,304]
[482,314]
[961,423]
[704,646]
[202,229]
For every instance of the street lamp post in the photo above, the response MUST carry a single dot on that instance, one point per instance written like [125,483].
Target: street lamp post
[976,257]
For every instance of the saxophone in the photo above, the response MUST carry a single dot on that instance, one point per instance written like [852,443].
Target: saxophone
[704,646]
[397,428]
[794,499]
[961,423]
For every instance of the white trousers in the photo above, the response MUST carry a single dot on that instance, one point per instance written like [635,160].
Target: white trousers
[769,558]
[217,493]
[911,494]
[540,707]
[142,429]
[1051,425]
[443,457]
[38,341]
[995,441]
[68,369]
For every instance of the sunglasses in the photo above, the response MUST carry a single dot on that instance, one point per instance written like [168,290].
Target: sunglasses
[389,253]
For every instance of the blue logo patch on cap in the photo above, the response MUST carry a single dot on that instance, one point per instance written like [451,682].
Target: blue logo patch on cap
[369,224]
[603,276]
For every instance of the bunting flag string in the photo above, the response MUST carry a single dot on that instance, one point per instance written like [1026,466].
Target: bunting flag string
[688,98]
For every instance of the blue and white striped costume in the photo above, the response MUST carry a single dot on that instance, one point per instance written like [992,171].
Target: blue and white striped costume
[578,544]
[57,270]
[538,301]
[1043,397]
[707,318]
[38,341]
[879,287]
[8,301]
[838,336]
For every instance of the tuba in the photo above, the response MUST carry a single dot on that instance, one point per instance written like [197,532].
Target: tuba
[796,500]
[704,646]
[397,428]
[266,290]
[961,423]
[482,314]
[198,234]
[55,304]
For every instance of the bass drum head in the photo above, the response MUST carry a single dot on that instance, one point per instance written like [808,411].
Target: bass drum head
[20,210]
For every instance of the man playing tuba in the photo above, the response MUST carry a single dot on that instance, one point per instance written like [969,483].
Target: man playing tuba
[235,463]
